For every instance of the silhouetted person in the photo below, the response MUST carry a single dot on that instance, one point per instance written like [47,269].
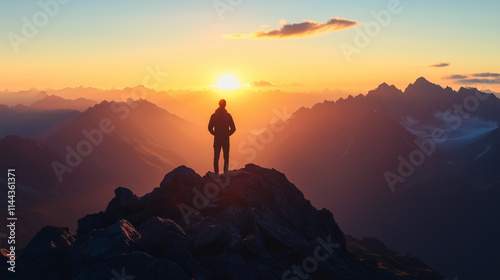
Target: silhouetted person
[221,126]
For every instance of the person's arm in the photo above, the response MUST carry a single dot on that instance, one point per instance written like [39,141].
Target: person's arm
[231,126]
[211,125]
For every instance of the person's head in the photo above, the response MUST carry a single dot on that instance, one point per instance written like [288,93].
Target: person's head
[222,103]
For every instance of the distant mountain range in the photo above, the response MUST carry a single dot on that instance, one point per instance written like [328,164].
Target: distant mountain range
[54,102]
[41,117]
[82,159]
[30,96]
[32,123]
[374,162]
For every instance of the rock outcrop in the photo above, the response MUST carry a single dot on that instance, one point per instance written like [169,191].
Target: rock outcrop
[253,224]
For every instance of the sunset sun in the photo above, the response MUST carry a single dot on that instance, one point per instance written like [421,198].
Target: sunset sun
[227,82]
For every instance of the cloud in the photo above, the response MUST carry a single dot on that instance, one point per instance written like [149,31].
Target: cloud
[478,78]
[301,29]
[478,81]
[442,64]
[261,84]
[486,75]
[455,77]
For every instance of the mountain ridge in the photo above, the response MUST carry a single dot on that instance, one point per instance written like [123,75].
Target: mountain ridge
[343,149]
[51,102]
[258,226]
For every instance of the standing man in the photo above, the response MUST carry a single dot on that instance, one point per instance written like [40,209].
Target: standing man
[221,126]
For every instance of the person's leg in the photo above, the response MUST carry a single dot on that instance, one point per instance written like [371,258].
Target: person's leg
[225,149]
[217,147]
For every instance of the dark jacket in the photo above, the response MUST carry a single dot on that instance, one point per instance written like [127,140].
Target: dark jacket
[221,124]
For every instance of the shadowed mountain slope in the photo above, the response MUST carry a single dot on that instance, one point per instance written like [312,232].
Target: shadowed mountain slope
[447,193]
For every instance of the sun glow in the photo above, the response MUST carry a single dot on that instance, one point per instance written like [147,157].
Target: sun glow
[228,82]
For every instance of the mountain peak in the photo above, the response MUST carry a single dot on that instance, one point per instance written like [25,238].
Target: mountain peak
[423,87]
[422,80]
[179,175]
[252,222]
[106,106]
[385,89]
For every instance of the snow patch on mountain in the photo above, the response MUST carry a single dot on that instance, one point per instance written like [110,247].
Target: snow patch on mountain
[456,129]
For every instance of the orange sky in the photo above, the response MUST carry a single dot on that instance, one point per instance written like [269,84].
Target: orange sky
[114,44]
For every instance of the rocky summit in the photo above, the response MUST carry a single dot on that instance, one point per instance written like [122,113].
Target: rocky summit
[250,224]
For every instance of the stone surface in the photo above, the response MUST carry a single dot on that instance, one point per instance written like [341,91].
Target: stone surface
[253,224]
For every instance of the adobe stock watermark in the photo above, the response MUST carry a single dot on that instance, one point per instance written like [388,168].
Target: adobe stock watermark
[427,147]
[366,32]
[256,143]
[94,137]
[310,264]
[201,200]
[31,26]
[223,6]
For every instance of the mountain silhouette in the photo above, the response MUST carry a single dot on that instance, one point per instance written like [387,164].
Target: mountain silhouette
[253,225]
[341,151]
[33,123]
[145,140]
[53,102]
[142,145]
[24,97]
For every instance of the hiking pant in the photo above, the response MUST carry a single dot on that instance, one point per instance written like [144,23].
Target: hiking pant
[218,145]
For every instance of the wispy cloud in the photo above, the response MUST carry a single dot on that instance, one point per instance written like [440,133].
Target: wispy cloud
[486,75]
[442,64]
[478,81]
[261,84]
[455,77]
[479,78]
[301,29]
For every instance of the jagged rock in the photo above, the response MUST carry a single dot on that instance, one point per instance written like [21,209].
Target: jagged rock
[123,202]
[253,224]
[90,222]
[163,238]
[253,246]
[119,238]
[179,177]
[48,255]
[376,255]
